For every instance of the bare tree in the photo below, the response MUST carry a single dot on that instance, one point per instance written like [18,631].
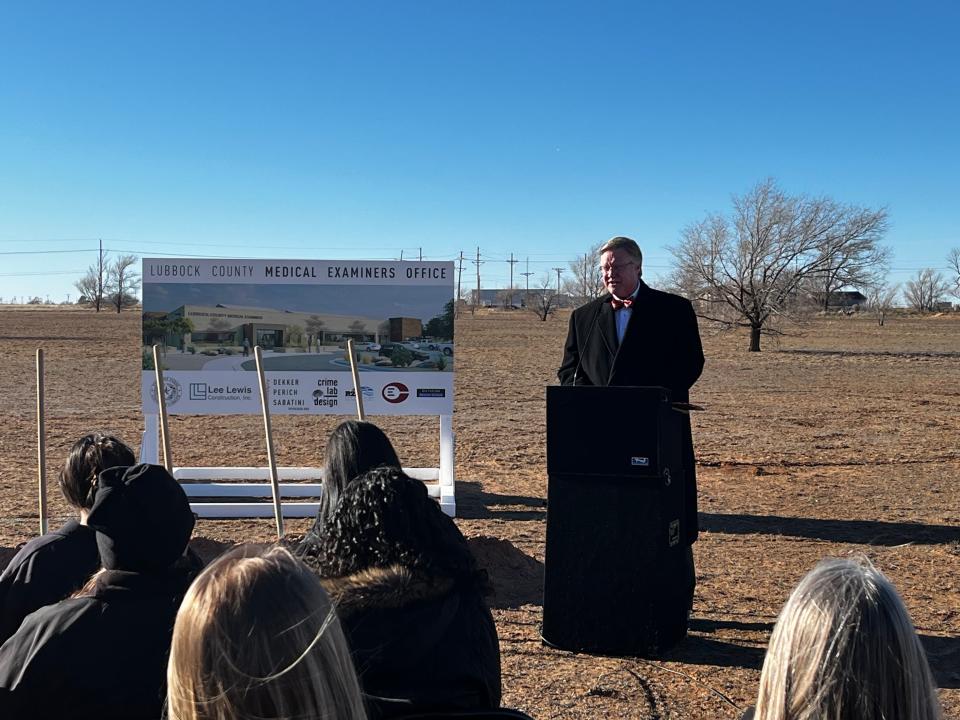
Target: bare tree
[881,297]
[543,301]
[123,281]
[926,290]
[854,257]
[587,281]
[748,269]
[508,297]
[93,285]
[953,260]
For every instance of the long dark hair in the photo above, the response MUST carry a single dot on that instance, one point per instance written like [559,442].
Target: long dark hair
[385,518]
[89,456]
[353,448]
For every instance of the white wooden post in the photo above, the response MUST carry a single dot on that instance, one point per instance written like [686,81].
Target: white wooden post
[268,431]
[41,444]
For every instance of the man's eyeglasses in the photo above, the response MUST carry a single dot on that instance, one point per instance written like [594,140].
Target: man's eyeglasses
[616,269]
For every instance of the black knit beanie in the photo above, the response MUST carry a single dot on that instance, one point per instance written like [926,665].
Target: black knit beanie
[142,518]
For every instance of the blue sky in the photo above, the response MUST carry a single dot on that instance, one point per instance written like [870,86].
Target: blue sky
[361,129]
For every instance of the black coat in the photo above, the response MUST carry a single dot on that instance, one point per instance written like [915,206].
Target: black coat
[425,643]
[45,571]
[100,656]
[661,346]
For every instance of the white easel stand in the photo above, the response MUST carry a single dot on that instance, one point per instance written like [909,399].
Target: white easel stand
[439,481]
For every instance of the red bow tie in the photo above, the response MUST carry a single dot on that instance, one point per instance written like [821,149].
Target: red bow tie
[617,304]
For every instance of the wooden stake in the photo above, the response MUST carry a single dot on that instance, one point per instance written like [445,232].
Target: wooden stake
[268,431]
[357,391]
[41,445]
[162,403]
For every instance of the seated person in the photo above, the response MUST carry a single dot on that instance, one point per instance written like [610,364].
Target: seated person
[103,652]
[256,637]
[49,568]
[352,448]
[410,597]
[844,648]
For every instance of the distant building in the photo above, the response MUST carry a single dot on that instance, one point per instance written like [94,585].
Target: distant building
[516,298]
[497,297]
[843,299]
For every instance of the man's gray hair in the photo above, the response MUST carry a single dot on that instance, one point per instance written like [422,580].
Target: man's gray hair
[623,243]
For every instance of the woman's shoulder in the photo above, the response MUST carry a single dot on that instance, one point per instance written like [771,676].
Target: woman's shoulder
[393,586]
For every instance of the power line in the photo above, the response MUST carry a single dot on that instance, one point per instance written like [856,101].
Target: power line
[45,272]
[44,252]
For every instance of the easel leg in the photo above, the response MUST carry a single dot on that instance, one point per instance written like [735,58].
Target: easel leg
[448,500]
[149,443]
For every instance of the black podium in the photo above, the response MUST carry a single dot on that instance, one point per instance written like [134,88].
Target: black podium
[618,575]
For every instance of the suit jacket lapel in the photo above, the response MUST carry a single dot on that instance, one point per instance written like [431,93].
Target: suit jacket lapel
[607,323]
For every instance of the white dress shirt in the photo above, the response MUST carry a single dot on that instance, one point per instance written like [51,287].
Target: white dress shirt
[622,316]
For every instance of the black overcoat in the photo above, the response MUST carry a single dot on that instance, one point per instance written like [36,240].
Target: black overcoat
[419,643]
[99,656]
[46,570]
[661,346]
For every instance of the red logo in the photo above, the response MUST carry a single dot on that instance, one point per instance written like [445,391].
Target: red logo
[395,392]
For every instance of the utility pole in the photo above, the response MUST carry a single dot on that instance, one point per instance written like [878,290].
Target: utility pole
[477,262]
[101,270]
[456,303]
[527,274]
[512,263]
[421,254]
[559,270]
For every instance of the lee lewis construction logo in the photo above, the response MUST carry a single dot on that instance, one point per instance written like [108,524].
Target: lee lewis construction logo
[201,391]
[431,392]
[171,390]
[395,392]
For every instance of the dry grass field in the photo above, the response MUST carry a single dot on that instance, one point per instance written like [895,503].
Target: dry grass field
[843,439]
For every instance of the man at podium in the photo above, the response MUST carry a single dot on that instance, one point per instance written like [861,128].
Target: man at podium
[635,335]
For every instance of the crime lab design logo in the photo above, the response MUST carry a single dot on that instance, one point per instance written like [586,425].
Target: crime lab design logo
[395,392]
[365,390]
[431,393]
[327,393]
[171,390]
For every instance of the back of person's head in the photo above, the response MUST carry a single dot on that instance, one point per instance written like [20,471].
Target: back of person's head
[352,448]
[385,518]
[257,637]
[142,518]
[89,456]
[844,648]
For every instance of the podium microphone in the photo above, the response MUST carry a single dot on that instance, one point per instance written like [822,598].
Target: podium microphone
[593,326]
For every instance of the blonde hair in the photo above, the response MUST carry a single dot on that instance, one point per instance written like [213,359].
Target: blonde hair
[844,648]
[257,637]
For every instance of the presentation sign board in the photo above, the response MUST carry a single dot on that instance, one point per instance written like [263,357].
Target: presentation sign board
[208,315]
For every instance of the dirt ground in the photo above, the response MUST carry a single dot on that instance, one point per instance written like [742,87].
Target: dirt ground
[843,439]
